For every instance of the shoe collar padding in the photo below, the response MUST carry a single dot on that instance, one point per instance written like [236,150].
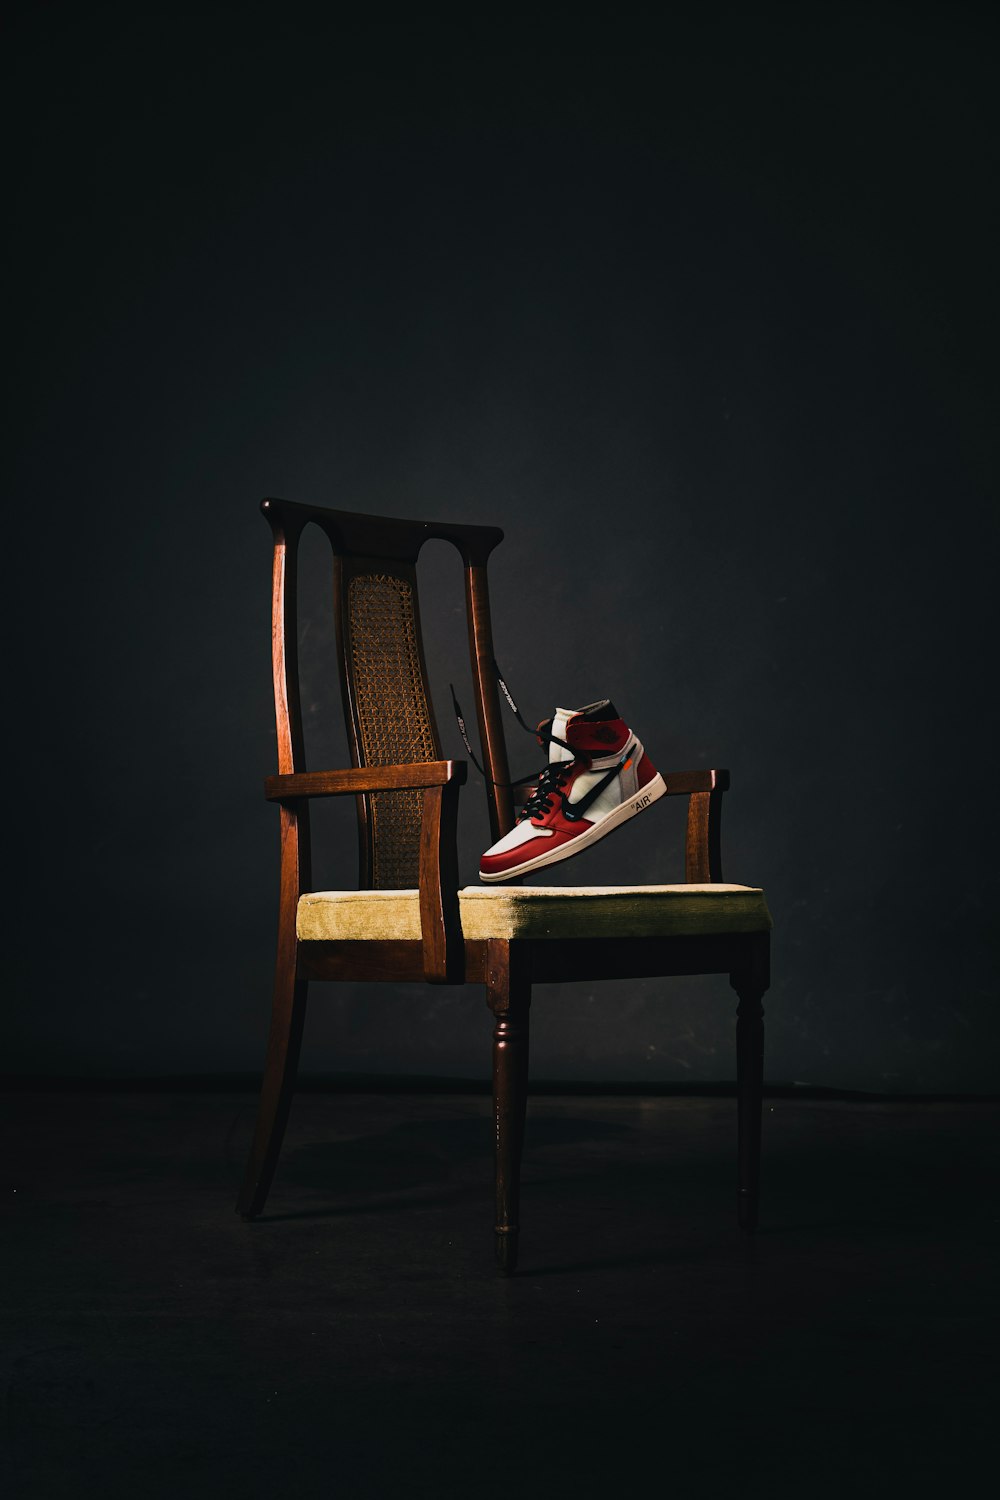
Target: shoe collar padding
[560,721]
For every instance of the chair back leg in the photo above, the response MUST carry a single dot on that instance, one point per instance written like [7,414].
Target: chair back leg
[280,1068]
[750,983]
[508,995]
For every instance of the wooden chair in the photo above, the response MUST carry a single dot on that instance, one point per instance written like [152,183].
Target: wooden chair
[408,920]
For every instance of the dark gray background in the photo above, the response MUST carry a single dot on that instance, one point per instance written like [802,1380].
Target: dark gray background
[702,313]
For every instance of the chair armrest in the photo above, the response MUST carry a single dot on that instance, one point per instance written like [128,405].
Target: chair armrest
[683,783]
[440,781]
[428,773]
[678,783]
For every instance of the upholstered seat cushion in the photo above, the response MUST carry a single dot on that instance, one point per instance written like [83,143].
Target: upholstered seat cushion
[512,911]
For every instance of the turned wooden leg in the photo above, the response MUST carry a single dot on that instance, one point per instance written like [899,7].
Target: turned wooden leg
[283,1048]
[750,984]
[509,996]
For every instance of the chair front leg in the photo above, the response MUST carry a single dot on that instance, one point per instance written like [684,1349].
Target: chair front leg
[750,983]
[509,998]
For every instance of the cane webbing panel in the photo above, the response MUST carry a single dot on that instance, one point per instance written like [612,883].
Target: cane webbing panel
[394,723]
[542,912]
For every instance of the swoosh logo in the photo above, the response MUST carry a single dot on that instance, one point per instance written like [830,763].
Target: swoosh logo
[574,811]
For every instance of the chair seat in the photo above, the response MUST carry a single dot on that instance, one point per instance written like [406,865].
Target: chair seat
[512,911]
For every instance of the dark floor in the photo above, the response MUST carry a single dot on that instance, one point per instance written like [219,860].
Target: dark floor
[357,1342]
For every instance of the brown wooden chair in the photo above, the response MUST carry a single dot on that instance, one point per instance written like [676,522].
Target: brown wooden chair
[408,920]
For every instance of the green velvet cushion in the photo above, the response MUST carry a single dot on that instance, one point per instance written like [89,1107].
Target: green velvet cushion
[499,911]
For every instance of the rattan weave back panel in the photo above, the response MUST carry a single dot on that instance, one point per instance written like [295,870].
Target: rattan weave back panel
[394,719]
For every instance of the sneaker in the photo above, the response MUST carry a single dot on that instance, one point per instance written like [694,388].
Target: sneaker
[597,778]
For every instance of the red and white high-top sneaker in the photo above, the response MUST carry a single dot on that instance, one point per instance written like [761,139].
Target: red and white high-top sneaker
[597,778]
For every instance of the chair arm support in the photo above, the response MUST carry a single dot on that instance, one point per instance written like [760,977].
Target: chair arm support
[440,782]
[428,773]
[440,921]
[703,839]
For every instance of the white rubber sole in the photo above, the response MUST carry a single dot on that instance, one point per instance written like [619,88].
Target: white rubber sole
[645,797]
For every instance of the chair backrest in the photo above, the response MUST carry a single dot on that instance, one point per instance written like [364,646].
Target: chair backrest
[383,674]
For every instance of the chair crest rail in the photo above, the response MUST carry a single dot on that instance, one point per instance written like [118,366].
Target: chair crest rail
[356,535]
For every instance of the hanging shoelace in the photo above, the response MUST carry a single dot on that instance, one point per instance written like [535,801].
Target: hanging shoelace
[552,778]
[541,732]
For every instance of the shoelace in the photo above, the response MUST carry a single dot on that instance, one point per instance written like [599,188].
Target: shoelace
[550,785]
[553,777]
[542,732]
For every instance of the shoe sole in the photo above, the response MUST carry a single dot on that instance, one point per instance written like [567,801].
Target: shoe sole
[645,797]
